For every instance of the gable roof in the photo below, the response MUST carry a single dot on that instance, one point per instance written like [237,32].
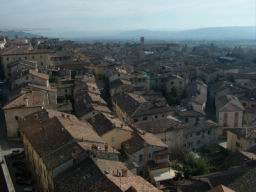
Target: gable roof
[103,123]
[39,75]
[46,129]
[228,103]
[221,188]
[245,182]
[86,177]
[247,133]
[46,125]
[140,139]
[129,102]
[136,105]
[28,99]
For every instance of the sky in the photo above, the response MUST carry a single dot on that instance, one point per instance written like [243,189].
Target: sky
[113,15]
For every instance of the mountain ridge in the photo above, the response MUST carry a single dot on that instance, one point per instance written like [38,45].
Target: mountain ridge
[209,33]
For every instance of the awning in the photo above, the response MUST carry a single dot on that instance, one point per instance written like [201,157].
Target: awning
[162,174]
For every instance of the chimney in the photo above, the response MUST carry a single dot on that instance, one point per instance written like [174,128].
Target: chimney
[70,75]
[26,101]
[106,147]
[124,172]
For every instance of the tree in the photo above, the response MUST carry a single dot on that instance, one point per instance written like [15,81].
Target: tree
[194,166]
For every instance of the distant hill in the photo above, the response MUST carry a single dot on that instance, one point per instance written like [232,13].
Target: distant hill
[217,33]
[13,34]
[214,33]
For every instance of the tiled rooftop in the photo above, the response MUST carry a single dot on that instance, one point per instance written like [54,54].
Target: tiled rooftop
[28,99]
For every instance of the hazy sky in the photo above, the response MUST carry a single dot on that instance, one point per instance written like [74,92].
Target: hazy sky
[105,15]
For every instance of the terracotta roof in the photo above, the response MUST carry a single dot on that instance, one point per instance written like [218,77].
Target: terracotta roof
[84,134]
[245,182]
[21,51]
[161,125]
[226,177]
[39,75]
[228,103]
[86,177]
[29,99]
[247,133]
[221,188]
[39,129]
[136,105]
[103,123]
[119,82]
[69,131]
[39,87]
[135,182]
[87,99]
[137,142]
[124,182]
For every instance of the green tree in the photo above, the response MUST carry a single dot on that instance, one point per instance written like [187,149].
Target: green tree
[194,166]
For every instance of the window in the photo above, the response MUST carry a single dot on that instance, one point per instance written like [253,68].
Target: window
[25,58]
[198,142]
[172,82]
[244,104]
[26,77]
[33,57]
[163,115]
[7,59]
[135,120]
[149,155]
[253,105]
[197,121]
[236,119]
[225,120]
[156,116]
[209,132]
[145,118]
[198,133]
[41,57]
[140,157]
[42,63]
